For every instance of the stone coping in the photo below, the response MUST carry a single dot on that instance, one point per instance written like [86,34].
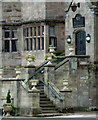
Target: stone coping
[31,91]
[47,20]
[51,65]
[11,79]
[70,56]
[31,66]
[5,99]
[65,91]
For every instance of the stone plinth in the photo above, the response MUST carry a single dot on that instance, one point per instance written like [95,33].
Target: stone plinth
[35,101]
[66,98]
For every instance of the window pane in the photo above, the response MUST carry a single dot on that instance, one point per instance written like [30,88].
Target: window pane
[38,30]
[7,46]
[27,44]
[27,33]
[42,30]
[14,33]
[34,31]
[31,44]
[42,43]
[38,43]
[14,45]
[7,33]
[52,30]
[34,43]
[30,31]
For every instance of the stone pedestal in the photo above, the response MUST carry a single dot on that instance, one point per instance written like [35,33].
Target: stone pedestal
[1,73]
[30,70]
[18,72]
[35,101]
[66,98]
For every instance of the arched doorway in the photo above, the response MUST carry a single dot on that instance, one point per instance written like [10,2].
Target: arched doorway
[80,42]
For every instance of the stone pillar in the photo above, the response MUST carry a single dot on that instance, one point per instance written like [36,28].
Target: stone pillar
[73,80]
[1,73]
[35,102]
[48,76]
[1,34]
[30,70]
[34,95]
[1,97]
[46,37]
[66,96]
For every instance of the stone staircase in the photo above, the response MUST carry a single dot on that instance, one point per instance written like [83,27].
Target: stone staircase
[45,103]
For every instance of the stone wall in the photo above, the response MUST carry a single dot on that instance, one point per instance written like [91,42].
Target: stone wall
[55,10]
[81,92]
[33,11]
[11,12]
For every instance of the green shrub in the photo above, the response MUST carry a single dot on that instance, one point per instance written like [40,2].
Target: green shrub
[59,52]
[8,97]
[70,44]
[51,46]
[17,66]
[8,103]
[50,54]
[33,57]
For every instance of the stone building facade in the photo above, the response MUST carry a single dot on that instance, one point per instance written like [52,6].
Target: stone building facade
[71,80]
[30,27]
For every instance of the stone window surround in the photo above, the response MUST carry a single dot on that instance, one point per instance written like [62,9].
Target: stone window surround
[35,46]
[11,39]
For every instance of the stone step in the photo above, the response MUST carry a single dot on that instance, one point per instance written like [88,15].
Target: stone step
[49,108]
[45,105]
[44,99]
[43,96]
[46,102]
[49,111]
[50,115]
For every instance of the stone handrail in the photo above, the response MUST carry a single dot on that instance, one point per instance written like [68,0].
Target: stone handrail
[41,65]
[54,88]
[42,79]
[61,63]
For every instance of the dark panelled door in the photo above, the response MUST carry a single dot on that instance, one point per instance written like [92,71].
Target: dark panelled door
[80,42]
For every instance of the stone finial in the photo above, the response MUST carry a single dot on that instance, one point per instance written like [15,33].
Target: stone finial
[33,83]
[30,59]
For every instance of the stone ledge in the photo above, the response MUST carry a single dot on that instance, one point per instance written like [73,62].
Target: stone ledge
[65,91]
[49,66]
[31,66]
[11,79]
[78,56]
